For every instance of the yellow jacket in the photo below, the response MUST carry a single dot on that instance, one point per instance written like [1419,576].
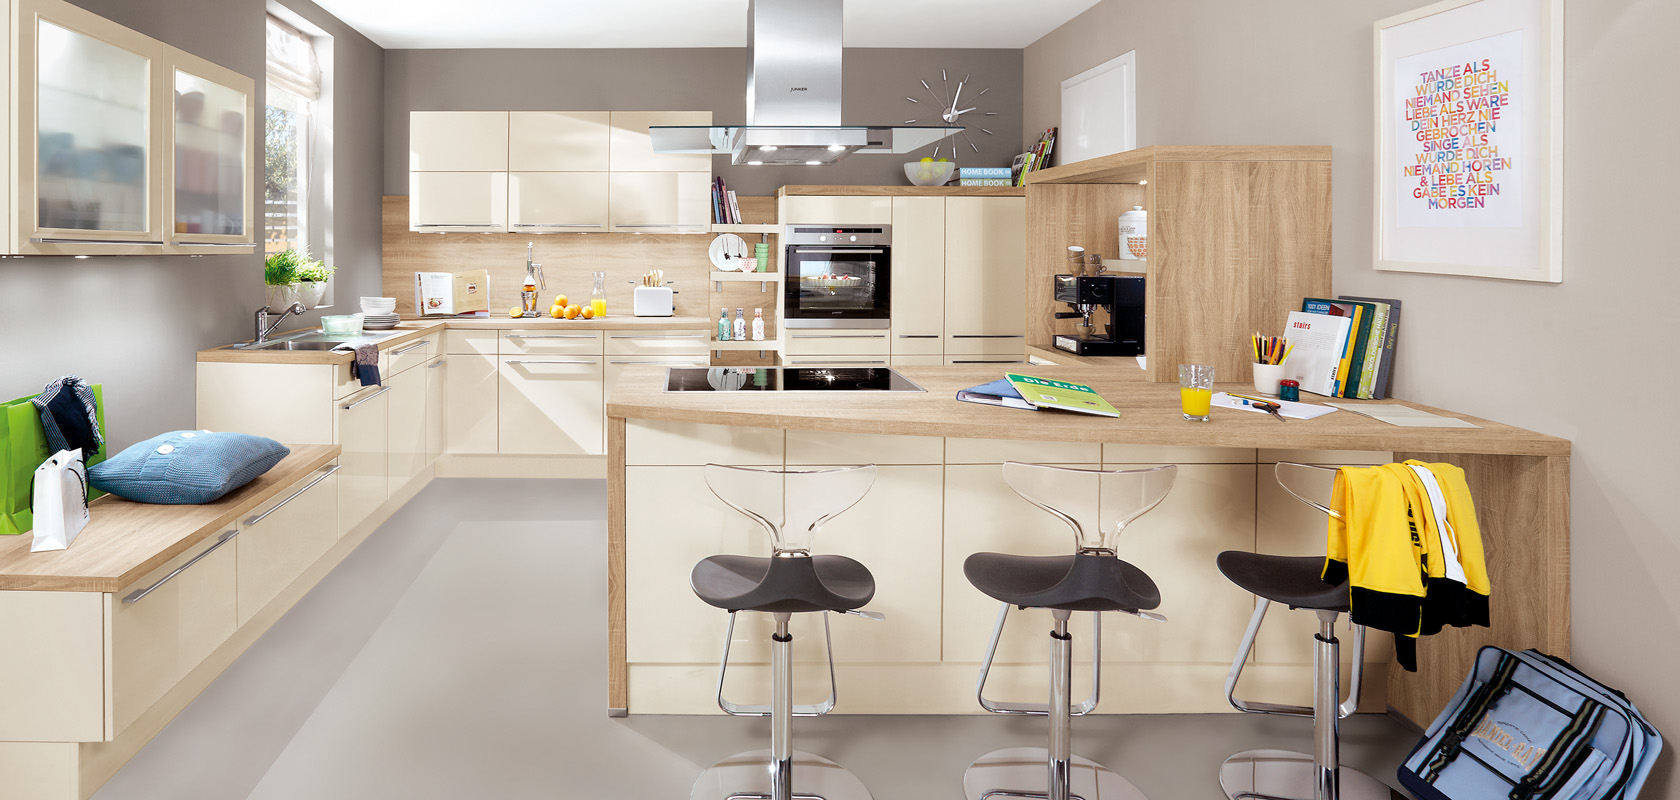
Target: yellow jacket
[1410,569]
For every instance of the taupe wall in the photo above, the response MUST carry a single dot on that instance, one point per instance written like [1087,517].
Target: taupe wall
[1550,358]
[132,323]
[709,79]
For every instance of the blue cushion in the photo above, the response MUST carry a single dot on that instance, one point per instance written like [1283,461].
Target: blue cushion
[186,467]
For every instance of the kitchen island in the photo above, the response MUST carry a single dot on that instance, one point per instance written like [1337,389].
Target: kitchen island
[939,496]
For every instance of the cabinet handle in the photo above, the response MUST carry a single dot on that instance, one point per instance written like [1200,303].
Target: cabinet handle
[839,336]
[325,474]
[556,224]
[348,406]
[662,225]
[986,336]
[412,347]
[918,336]
[834,361]
[438,363]
[58,240]
[573,361]
[457,225]
[988,361]
[137,596]
[681,362]
[551,336]
[659,336]
[215,244]
[799,251]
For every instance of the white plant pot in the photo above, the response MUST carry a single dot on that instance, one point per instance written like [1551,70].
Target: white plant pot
[310,293]
[282,296]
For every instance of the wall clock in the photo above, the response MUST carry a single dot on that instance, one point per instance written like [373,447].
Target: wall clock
[952,106]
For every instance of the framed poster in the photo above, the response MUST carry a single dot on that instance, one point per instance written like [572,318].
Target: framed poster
[1469,151]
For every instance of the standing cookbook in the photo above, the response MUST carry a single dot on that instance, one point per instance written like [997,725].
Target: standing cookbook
[1321,343]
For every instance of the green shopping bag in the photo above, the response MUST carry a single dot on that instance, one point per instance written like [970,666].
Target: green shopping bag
[23,446]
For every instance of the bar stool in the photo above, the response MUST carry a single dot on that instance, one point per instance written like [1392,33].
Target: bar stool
[792,507]
[1294,581]
[1097,505]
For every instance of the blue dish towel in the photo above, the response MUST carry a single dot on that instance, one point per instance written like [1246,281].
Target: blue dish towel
[367,364]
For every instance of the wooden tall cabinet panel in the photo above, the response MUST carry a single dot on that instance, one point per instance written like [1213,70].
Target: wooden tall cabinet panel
[469,403]
[985,275]
[918,276]
[557,202]
[458,141]
[558,141]
[632,146]
[550,406]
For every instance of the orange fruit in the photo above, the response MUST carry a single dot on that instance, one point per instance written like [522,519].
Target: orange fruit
[588,312]
[572,312]
[557,311]
[516,312]
[561,301]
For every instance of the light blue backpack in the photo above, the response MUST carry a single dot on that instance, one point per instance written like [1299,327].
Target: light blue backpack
[1528,726]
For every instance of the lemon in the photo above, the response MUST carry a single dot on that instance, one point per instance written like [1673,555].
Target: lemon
[516,312]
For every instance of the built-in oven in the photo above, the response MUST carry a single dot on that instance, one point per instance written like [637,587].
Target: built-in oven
[837,276]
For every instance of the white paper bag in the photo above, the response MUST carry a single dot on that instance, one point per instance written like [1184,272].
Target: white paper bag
[60,501]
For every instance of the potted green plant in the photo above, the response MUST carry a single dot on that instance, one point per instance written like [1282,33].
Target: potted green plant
[312,278]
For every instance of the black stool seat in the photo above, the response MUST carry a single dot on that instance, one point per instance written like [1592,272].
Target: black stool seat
[1291,580]
[785,584]
[1076,583]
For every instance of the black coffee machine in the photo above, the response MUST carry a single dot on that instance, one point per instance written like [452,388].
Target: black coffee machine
[1121,295]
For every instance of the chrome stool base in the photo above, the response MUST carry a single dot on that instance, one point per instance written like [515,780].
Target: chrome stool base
[1287,775]
[1024,771]
[746,776]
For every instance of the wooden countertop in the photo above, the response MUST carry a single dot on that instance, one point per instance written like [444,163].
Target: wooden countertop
[411,329]
[1149,414]
[1131,166]
[902,191]
[125,540]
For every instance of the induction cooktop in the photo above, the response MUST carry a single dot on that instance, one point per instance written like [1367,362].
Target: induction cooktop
[787,379]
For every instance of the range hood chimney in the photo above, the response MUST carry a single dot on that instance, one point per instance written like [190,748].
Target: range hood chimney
[793,97]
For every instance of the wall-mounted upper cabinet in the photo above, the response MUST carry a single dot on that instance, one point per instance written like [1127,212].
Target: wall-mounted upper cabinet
[632,146]
[558,141]
[458,141]
[660,202]
[458,202]
[122,145]
[557,202]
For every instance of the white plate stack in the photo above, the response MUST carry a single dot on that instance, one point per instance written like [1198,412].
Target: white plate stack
[379,313]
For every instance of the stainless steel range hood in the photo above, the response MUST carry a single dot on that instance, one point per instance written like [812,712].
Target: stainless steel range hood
[793,97]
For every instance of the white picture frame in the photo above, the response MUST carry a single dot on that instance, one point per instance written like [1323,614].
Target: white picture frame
[1469,140]
[1099,110]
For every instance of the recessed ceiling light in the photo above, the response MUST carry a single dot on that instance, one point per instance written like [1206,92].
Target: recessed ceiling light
[835,148]
[1143,183]
[769,148]
[813,163]
[755,163]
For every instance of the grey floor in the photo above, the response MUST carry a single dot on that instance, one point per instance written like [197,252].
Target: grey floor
[460,653]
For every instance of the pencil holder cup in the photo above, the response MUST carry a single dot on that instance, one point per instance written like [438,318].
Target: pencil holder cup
[1266,377]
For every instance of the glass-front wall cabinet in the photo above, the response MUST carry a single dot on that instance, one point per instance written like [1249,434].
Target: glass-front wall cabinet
[137,147]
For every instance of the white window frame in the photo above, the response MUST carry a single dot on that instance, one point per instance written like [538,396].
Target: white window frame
[316,211]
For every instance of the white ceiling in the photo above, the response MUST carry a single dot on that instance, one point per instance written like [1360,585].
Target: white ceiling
[690,23]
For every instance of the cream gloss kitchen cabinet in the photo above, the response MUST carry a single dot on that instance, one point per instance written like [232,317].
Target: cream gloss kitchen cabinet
[918,276]
[557,171]
[458,171]
[985,276]
[124,145]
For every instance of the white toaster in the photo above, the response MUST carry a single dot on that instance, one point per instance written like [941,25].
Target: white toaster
[652,301]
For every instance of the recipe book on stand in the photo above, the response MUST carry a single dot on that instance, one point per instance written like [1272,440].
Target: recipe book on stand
[1028,392]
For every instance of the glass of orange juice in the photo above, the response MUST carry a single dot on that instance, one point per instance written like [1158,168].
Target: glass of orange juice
[1195,391]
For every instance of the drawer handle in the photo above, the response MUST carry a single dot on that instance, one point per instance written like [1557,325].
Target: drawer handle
[918,336]
[518,361]
[435,364]
[137,596]
[692,362]
[416,346]
[986,336]
[556,224]
[660,225]
[61,240]
[799,251]
[348,406]
[325,474]
[457,225]
[834,361]
[551,336]
[839,336]
[660,336]
[215,244]
[986,361]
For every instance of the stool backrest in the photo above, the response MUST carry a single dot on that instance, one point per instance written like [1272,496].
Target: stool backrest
[1097,504]
[791,505]
[1309,483]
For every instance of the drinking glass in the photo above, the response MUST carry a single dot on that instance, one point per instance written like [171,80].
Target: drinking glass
[1195,391]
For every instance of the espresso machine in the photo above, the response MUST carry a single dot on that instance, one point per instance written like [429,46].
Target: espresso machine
[1121,296]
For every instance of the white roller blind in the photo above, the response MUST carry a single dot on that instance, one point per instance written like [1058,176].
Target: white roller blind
[291,61]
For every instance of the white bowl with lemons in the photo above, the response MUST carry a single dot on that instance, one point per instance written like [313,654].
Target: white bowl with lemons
[928,172]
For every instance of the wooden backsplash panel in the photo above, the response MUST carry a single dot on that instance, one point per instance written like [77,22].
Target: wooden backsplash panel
[567,259]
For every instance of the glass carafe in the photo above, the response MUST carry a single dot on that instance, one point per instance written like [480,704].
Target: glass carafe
[598,295]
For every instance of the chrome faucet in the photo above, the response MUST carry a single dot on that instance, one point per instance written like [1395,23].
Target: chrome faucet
[264,327]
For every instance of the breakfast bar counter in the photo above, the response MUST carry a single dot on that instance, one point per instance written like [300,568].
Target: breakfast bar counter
[940,496]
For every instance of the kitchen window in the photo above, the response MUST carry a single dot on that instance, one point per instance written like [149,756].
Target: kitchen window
[294,87]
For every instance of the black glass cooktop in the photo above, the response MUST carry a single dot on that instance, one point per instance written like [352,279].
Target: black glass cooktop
[787,379]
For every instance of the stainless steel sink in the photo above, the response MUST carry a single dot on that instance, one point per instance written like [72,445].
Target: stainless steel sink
[296,345]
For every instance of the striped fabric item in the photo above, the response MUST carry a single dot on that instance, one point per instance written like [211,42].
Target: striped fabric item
[186,467]
[70,422]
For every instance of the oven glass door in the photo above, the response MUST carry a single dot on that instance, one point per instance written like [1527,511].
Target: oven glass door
[836,286]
